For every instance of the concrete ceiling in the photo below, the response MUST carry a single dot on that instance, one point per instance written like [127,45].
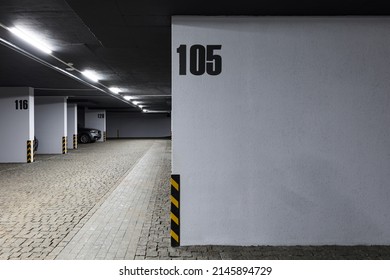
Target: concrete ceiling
[128,43]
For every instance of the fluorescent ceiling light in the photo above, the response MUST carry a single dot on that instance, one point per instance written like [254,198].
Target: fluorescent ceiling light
[91,75]
[114,90]
[30,38]
[127,97]
[144,110]
[136,102]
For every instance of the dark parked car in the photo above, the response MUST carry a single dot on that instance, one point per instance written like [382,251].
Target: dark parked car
[88,135]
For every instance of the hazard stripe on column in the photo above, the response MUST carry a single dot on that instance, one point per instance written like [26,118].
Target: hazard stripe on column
[64,145]
[30,156]
[175,210]
[34,152]
[104,136]
[75,141]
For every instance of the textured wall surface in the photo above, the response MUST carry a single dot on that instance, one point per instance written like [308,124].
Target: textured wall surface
[122,125]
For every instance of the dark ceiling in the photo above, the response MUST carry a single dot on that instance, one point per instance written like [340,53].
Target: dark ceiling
[128,43]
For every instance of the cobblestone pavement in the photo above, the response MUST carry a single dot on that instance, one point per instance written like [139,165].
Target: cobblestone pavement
[113,231]
[47,209]
[42,202]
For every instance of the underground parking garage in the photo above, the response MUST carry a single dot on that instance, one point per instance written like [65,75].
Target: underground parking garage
[218,137]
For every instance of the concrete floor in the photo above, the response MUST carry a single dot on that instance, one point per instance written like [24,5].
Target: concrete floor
[111,201]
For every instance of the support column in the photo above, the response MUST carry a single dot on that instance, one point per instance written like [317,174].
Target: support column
[72,126]
[97,119]
[16,125]
[291,144]
[51,124]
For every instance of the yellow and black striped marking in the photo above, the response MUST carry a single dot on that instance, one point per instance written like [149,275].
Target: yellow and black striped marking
[64,145]
[175,210]
[75,141]
[30,152]
[34,152]
[104,136]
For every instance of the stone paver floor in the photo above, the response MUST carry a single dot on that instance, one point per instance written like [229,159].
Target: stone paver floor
[42,202]
[111,201]
[114,230]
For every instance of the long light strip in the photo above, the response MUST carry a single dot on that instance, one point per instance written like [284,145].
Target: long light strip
[155,111]
[30,38]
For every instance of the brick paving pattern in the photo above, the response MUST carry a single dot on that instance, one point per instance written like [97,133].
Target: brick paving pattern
[64,207]
[42,202]
[114,229]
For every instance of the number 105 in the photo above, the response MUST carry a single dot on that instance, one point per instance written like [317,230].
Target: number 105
[202,60]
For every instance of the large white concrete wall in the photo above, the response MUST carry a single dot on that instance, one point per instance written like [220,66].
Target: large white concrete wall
[290,144]
[16,123]
[128,125]
[50,123]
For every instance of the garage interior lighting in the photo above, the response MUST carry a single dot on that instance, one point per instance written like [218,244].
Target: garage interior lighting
[90,75]
[114,90]
[30,38]
[36,41]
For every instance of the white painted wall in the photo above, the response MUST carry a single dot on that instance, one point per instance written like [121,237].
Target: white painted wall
[72,124]
[16,125]
[50,123]
[123,125]
[290,144]
[96,119]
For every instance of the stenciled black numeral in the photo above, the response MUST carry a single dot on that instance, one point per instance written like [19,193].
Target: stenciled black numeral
[182,50]
[100,116]
[21,104]
[197,60]
[202,60]
[214,61]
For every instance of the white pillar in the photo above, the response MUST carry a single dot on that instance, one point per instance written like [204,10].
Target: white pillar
[51,124]
[72,126]
[16,124]
[96,119]
[281,130]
